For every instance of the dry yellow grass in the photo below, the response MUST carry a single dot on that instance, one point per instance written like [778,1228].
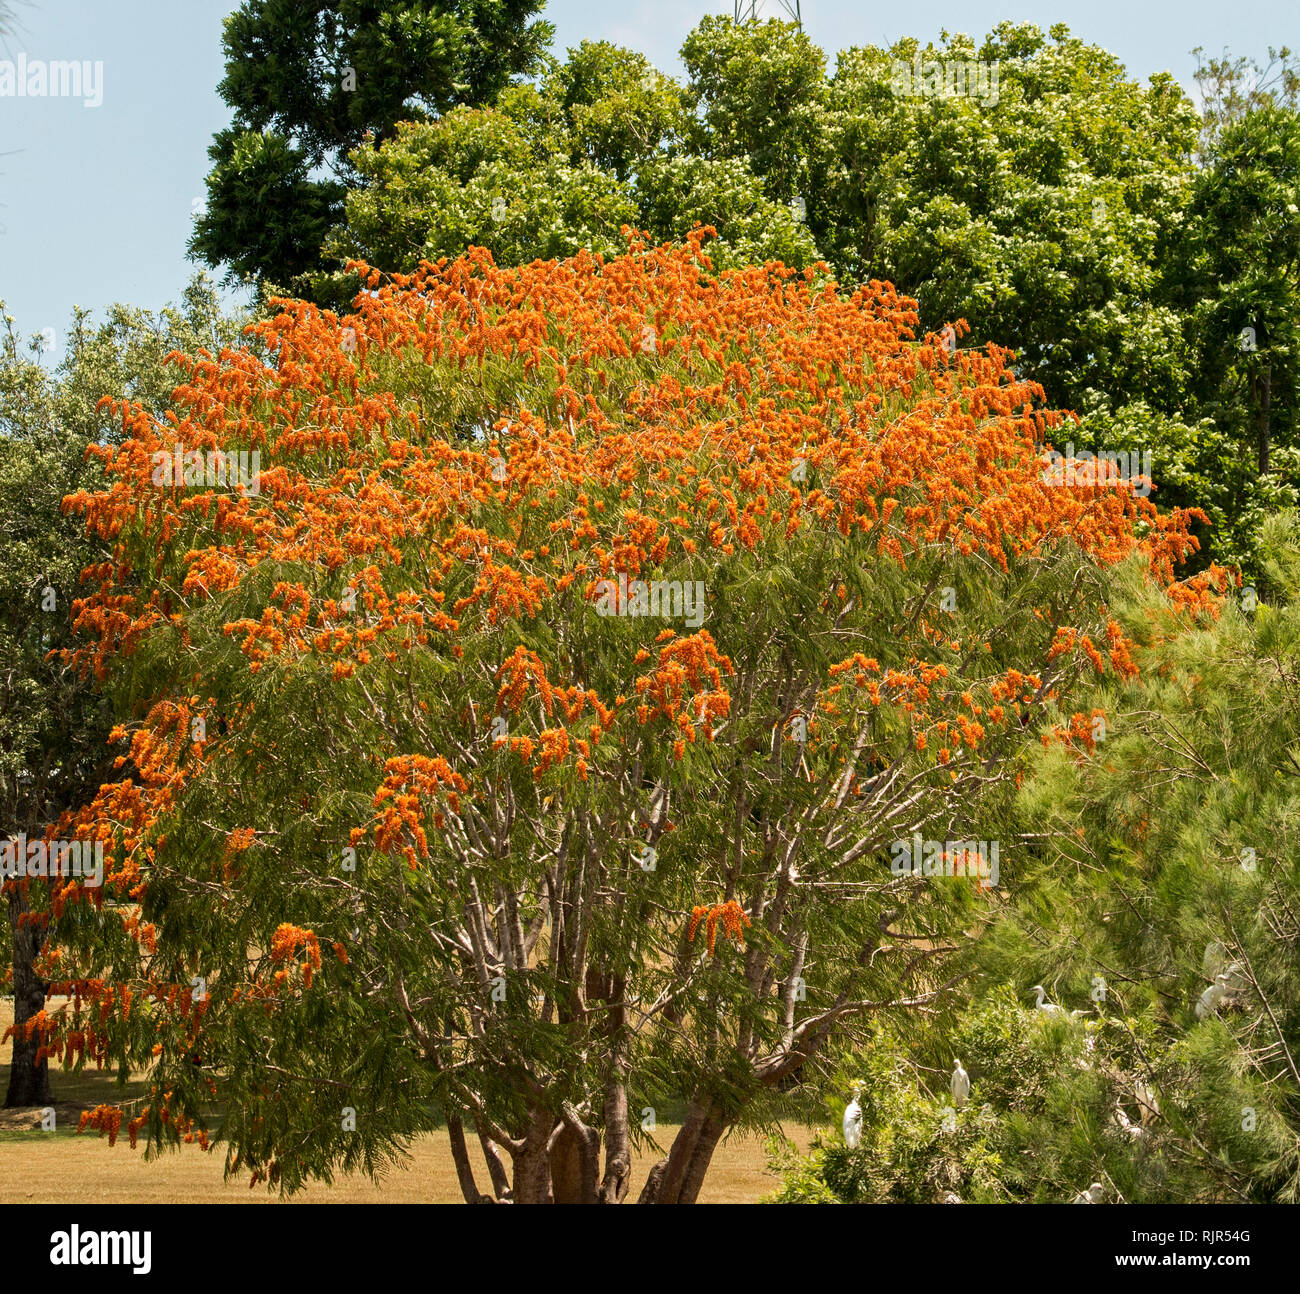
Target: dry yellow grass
[64,1168]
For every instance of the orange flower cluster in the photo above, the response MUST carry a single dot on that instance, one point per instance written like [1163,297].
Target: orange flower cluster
[730,916]
[285,944]
[520,669]
[408,781]
[105,1118]
[1079,735]
[1119,649]
[39,1023]
[691,664]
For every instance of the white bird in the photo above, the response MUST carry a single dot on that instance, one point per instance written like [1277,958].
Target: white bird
[960,1085]
[1091,1196]
[853,1123]
[1236,979]
[951,1197]
[1122,1121]
[1208,1002]
[1047,1008]
[1146,1098]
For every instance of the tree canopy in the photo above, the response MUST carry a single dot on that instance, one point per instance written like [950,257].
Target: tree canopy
[1057,205]
[308,81]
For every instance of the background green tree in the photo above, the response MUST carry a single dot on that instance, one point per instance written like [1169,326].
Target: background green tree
[1234,275]
[53,722]
[1229,88]
[601,142]
[1037,217]
[308,81]
[758,92]
[1165,858]
[1051,1110]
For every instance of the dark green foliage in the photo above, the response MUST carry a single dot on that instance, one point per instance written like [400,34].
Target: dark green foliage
[311,80]
[1164,858]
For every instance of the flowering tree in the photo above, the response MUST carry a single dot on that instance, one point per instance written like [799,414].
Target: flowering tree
[52,753]
[526,747]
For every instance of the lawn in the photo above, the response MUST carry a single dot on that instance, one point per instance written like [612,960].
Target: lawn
[64,1167]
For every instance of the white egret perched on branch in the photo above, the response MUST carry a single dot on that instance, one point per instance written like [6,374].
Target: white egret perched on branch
[960,1085]
[1091,1196]
[853,1121]
[1146,1098]
[1047,1008]
[1208,1002]
[1236,979]
[1122,1121]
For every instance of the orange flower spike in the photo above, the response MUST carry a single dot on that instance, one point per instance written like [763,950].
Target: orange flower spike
[730,916]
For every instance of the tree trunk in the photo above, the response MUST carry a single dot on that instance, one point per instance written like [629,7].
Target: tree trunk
[1263,423]
[701,1157]
[654,1184]
[496,1169]
[29,1084]
[677,1179]
[566,1168]
[575,1163]
[618,1154]
[618,1144]
[533,1162]
[460,1154]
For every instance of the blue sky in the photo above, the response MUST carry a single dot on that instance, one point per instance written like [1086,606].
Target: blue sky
[96,203]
